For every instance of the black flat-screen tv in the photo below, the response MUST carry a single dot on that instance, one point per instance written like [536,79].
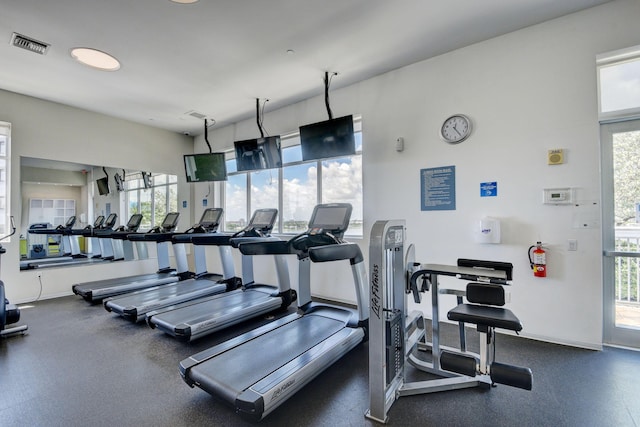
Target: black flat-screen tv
[146,179]
[119,182]
[331,138]
[205,167]
[103,186]
[259,153]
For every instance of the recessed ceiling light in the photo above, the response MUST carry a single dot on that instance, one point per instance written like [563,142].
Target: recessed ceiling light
[184,1]
[95,58]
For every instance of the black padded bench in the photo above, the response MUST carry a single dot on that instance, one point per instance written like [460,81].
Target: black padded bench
[484,310]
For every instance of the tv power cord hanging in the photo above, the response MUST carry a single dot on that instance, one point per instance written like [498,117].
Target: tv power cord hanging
[206,133]
[260,116]
[327,83]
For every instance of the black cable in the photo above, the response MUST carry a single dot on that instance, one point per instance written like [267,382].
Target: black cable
[262,117]
[327,83]
[326,94]
[206,135]
[258,121]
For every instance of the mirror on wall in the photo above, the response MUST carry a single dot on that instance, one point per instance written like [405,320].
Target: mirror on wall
[60,195]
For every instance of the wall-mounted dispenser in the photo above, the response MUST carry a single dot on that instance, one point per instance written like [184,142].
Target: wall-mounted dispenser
[488,230]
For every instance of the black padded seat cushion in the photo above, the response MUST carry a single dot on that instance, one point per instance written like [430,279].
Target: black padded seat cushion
[495,317]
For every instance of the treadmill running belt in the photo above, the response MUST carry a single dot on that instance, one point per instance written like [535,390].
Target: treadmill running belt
[214,310]
[232,372]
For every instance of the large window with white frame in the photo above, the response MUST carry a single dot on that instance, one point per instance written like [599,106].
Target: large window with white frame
[296,187]
[153,202]
[5,185]
[619,84]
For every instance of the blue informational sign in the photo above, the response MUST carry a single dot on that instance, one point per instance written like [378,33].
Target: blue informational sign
[438,189]
[204,202]
[488,189]
[184,203]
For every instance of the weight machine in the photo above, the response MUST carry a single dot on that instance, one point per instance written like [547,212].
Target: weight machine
[396,337]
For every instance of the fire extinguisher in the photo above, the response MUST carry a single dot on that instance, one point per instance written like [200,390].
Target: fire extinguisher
[538,260]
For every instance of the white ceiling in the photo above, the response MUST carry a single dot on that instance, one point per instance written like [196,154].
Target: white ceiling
[216,57]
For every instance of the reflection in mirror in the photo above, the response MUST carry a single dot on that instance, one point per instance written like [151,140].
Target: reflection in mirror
[54,192]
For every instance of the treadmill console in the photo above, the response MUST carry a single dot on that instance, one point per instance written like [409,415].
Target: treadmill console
[134,222]
[261,223]
[68,225]
[170,222]
[111,221]
[210,220]
[330,218]
[326,227]
[97,223]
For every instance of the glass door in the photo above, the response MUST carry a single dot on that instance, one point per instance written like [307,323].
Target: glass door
[620,145]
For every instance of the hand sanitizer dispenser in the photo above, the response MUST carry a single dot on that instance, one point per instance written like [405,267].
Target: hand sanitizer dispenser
[488,230]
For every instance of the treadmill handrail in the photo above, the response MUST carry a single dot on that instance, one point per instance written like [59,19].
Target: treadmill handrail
[237,241]
[339,251]
[298,245]
[266,248]
[157,237]
[188,237]
[211,239]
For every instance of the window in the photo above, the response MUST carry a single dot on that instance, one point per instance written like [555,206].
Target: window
[5,160]
[619,84]
[154,202]
[296,187]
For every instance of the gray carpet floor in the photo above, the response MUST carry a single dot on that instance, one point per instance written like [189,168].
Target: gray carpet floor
[82,366]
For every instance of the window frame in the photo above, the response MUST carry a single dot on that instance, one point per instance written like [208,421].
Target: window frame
[138,188]
[612,59]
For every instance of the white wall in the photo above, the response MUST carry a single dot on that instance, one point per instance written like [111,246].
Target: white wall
[527,92]
[52,131]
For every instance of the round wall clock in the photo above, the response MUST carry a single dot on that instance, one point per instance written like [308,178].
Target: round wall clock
[456,129]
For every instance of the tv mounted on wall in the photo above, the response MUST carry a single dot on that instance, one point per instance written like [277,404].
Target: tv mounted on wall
[331,138]
[103,186]
[259,153]
[119,182]
[205,167]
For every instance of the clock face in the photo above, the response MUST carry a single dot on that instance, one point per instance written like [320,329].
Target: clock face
[456,129]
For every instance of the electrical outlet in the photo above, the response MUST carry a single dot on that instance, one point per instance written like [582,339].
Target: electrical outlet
[573,245]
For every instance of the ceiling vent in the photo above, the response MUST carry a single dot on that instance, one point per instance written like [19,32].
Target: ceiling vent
[197,115]
[27,43]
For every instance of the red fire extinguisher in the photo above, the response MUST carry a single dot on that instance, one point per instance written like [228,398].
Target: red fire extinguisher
[538,260]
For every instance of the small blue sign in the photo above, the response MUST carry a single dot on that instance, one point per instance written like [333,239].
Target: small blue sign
[488,189]
[184,203]
[204,202]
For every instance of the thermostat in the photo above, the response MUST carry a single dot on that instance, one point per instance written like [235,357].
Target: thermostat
[557,196]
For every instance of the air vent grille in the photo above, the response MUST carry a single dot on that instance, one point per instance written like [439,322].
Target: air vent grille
[27,43]
[196,115]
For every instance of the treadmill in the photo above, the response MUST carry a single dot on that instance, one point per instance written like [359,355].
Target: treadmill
[69,246]
[259,370]
[89,231]
[136,305]
[200,317]
[114,244]
[96,291]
